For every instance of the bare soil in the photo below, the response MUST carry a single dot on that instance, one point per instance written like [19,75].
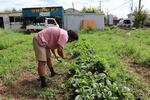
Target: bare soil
[142,71]
[23,83]
[26,85]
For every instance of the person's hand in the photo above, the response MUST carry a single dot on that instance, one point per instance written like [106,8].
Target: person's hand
[59,59]
[69,55]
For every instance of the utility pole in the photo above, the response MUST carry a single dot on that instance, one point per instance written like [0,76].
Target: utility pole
[131,6]
[107,20]
[100,4]
[139,4]
[73,6]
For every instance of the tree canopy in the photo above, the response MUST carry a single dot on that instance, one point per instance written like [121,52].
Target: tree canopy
[140,16]
[91,10]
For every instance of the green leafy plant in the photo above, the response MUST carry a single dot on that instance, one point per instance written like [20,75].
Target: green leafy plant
[90,81]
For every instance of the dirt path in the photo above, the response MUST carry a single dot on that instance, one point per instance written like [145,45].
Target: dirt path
[23,83]
[142,71]
[137,69]
[26,86]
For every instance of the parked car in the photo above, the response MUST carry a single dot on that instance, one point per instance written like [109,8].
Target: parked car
[49,22]
[125,23]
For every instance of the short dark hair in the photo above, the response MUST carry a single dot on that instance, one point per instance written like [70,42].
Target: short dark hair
[73,35]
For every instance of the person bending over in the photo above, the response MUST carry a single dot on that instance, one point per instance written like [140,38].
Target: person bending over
[47,40]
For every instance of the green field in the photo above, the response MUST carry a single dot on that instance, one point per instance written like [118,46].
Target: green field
[113,64]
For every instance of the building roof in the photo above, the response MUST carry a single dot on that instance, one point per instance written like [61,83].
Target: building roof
[11,13]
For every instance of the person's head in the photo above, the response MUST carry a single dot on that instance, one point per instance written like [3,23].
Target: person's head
[72,36]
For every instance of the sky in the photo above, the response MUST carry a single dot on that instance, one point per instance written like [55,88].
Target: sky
[119,8]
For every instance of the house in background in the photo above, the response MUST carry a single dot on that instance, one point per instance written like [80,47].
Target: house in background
[11,20]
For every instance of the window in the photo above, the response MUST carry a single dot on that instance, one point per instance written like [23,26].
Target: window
[15,19]
[51,22]
[127,21]
[18,19]
[11,19]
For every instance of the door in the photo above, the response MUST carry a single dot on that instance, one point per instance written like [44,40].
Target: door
[1,22]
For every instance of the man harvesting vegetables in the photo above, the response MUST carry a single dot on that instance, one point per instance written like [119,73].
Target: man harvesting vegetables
[48,39]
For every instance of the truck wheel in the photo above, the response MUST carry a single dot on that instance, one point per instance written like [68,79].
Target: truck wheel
[28,32]
[32,30]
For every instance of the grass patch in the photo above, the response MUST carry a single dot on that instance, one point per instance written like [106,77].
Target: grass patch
[112,47]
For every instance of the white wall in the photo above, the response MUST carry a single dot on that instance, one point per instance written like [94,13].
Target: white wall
[110,19]
[6,22]
[131,17]
[72,21]
[16,25]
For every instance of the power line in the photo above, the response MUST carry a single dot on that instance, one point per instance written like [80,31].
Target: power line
[121,5]
[120,8]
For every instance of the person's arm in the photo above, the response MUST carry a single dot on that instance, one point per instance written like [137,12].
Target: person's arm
[60,52]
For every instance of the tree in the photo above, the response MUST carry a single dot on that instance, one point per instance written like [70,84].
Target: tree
[143,17]
[92,10]
[140,16]
[13,10]
[71,10]
[7,11]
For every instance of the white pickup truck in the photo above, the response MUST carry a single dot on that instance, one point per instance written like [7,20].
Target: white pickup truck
[49,22]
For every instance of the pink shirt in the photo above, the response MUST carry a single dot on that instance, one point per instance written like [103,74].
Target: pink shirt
[52,37]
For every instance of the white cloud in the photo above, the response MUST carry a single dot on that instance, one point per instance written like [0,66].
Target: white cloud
[117,7]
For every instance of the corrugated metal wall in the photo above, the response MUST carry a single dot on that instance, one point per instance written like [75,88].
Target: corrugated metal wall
[73,21]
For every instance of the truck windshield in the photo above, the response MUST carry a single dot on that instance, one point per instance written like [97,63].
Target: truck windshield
[39,20]
[51,22]
[127,21]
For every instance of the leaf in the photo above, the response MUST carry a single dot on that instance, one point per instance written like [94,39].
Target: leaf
[78,97]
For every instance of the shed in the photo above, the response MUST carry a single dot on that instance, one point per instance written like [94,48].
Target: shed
[73,21]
